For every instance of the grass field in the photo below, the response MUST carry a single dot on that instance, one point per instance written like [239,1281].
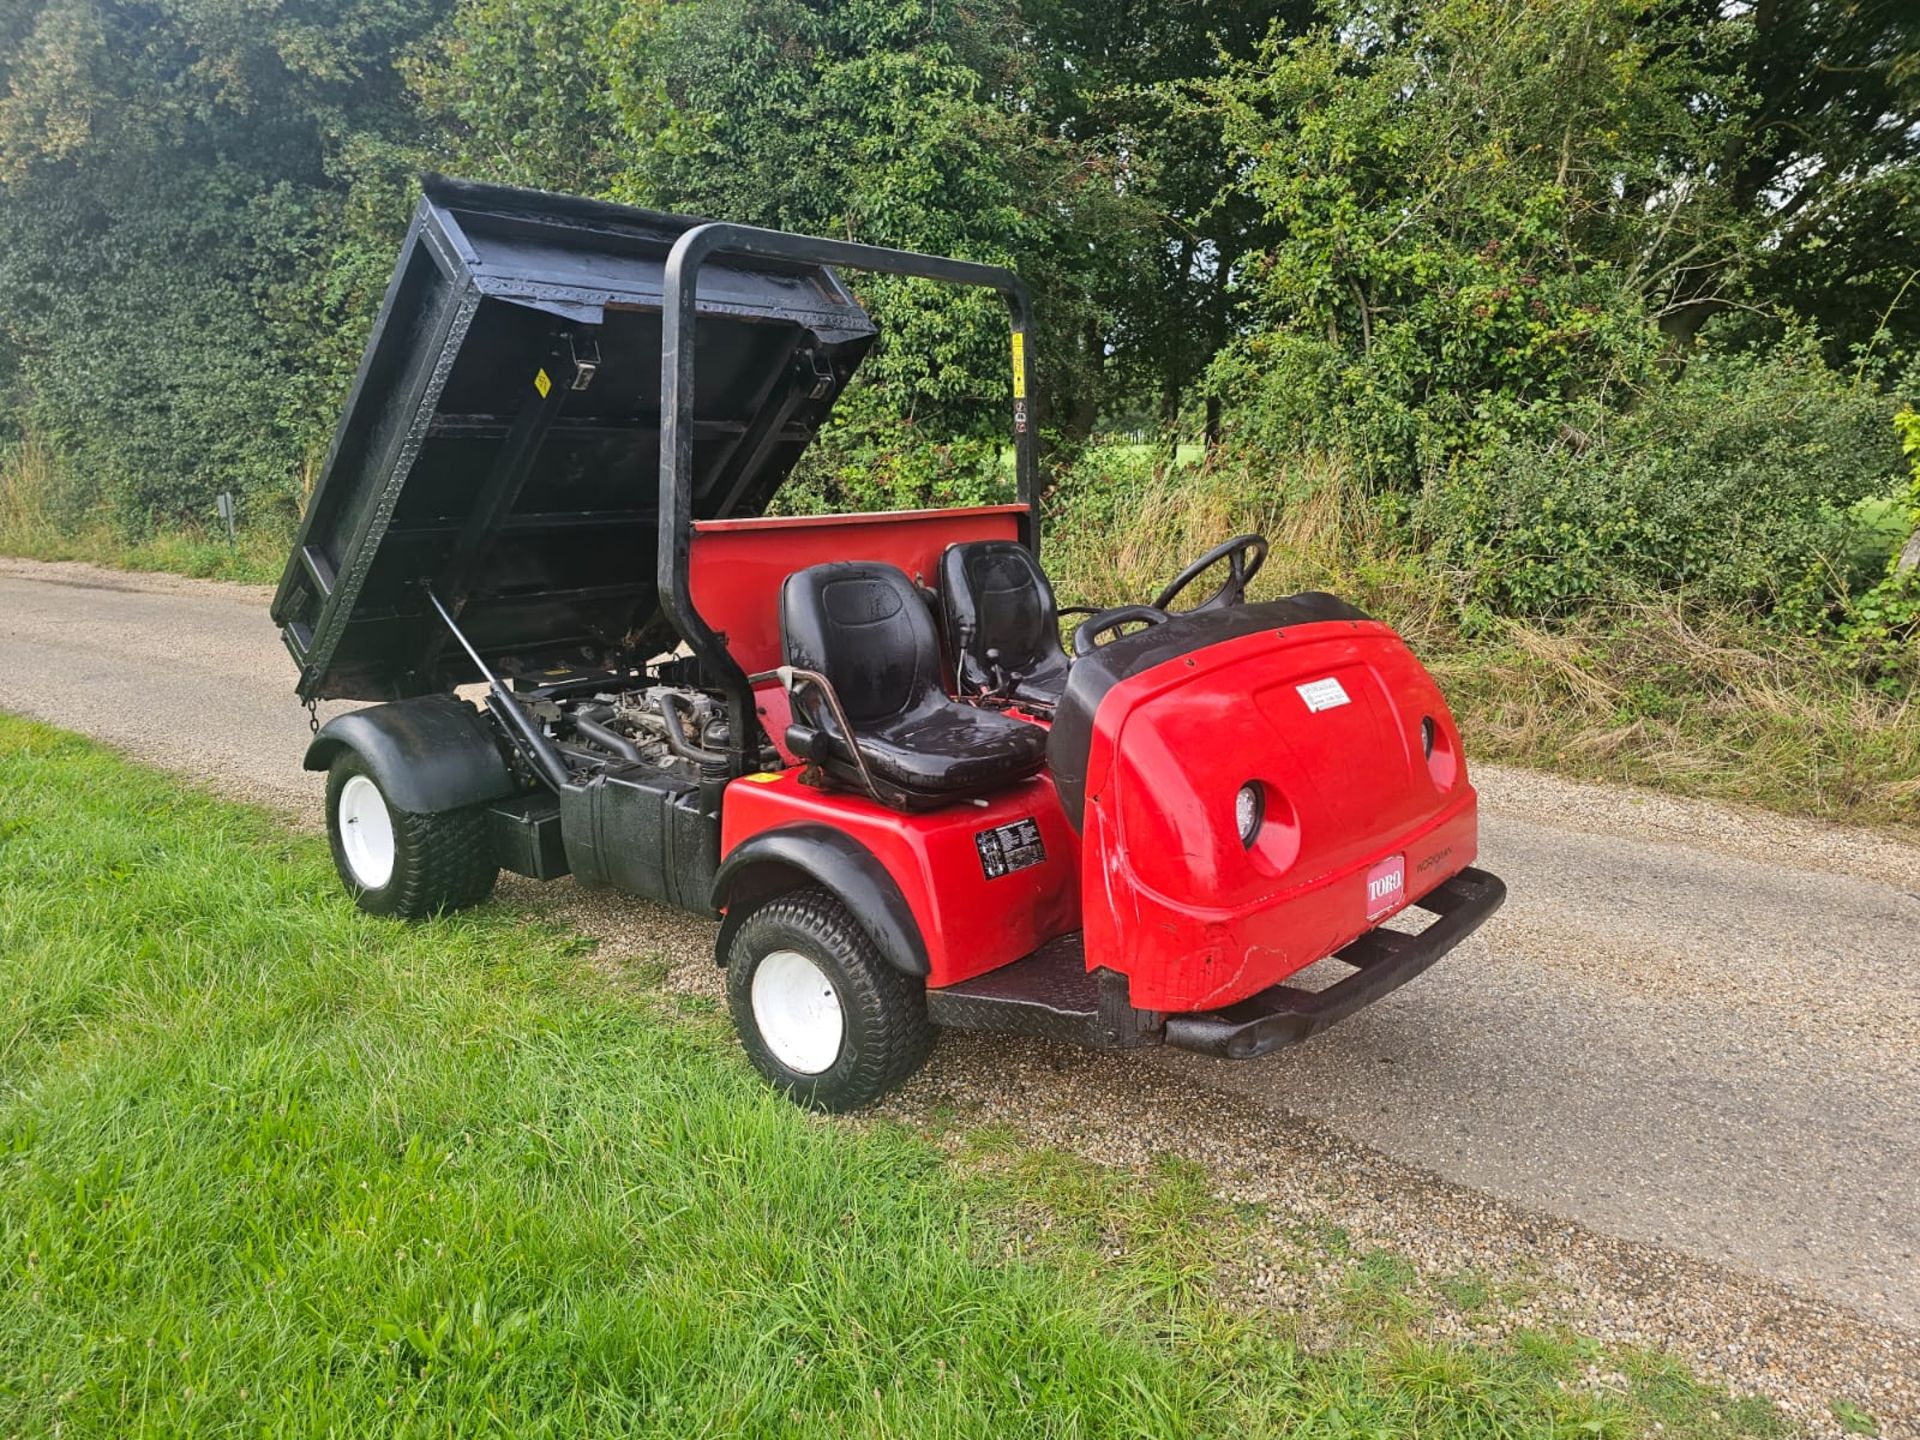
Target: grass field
[35,523]
[268,1166]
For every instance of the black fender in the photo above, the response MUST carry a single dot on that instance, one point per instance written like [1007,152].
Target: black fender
[428,754]
[792,856]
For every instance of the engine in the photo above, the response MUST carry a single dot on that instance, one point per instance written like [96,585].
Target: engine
[666,727]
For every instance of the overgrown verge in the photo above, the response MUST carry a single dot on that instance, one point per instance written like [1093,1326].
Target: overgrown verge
[1633,685]
[267,1164]
[44,517]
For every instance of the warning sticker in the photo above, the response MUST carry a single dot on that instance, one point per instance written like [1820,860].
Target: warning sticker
[1323,694]
[1019,365]
[542,383]
[1007,848]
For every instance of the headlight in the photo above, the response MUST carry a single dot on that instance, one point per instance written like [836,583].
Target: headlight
[1247,808]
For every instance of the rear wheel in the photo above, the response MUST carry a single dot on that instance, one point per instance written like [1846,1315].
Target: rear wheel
[397,863]
[821,1015]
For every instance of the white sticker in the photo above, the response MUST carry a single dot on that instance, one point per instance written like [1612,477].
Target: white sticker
[1322,694]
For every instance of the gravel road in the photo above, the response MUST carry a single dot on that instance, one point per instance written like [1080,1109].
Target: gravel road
[1678,1071]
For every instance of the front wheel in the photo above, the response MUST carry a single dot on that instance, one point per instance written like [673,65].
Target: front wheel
[397,863]
[821,1015]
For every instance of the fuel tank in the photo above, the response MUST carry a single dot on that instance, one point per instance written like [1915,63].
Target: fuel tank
[1255,787]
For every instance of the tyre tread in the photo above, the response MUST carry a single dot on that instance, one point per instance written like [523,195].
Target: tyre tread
[453,863]
[887,1007]
[442,862]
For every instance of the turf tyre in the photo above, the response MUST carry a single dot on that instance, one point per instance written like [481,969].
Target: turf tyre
[441,862]
[886,1035]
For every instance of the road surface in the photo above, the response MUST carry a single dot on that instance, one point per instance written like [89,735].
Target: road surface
[1689,1026]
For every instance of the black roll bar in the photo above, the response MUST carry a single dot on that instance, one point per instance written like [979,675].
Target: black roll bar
[677,328]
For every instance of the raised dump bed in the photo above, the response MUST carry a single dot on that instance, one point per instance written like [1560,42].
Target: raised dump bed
[501,442]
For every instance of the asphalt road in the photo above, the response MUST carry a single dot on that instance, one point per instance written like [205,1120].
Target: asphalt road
[1690,1025]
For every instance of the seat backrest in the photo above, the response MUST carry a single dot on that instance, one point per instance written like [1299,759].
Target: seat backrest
[994,596]
[863,625]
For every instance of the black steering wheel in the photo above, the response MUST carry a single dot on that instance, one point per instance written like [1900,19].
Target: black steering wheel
[1244,554]
[1086,635]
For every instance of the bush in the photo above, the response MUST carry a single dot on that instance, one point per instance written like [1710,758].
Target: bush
[1882,628]
[868,457]
[1731,485]
[1458,195]
[1122,519]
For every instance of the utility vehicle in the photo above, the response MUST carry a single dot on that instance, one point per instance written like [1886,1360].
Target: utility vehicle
[858,739]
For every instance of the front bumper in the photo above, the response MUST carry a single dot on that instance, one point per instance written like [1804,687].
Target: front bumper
[1384,960]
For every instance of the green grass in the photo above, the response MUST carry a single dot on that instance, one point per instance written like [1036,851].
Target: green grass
[268,1166]
[254,557]
[39,521]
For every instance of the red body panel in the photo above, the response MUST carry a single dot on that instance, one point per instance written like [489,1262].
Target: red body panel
[1173,899]
[736,567]
[971,924]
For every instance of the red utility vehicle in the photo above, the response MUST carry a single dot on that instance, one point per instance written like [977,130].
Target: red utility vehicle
[859,739]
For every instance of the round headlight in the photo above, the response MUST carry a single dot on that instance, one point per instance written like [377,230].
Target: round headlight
[1247,808]
[1426,736]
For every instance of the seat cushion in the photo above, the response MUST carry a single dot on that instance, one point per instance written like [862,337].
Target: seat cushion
[865,627]
[995,598]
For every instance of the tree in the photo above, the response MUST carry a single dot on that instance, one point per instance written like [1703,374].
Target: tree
[1822,162]
[1109,74]
[172,264]
[895,122]
[1478,209]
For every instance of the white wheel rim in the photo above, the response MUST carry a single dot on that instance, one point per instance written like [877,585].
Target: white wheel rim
[797,1012]
[366,832]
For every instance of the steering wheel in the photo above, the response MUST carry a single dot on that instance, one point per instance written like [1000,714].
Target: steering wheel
[1086,636]
[1244,554]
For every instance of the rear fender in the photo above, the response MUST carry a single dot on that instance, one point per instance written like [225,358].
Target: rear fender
[794,856]
[429,754]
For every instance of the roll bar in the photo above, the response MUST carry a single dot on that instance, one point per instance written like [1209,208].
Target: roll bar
[677,317]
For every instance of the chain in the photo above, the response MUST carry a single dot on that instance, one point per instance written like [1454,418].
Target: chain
[313,716]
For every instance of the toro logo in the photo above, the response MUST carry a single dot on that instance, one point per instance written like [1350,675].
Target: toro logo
[1386,883]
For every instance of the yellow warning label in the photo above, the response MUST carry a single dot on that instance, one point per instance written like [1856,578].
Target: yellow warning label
[1019,365]
[762,777]
[542,383]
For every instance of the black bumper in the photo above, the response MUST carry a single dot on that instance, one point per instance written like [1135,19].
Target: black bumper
[1384,960]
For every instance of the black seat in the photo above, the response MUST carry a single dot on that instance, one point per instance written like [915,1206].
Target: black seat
[865,627]
[1003,630]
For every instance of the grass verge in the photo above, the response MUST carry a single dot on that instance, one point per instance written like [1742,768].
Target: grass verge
[35,525]
[271,1166]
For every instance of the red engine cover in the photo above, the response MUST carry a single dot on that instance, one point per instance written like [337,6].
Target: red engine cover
[1326,720]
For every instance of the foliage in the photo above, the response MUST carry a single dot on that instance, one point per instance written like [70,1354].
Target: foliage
[911,125]
[1472,220]
[1547,278]
[1731,485]
[1882,626]
[268,1165]
[870,458]
[1110,74]
[1640,688]
[177,182]
[1822,168]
